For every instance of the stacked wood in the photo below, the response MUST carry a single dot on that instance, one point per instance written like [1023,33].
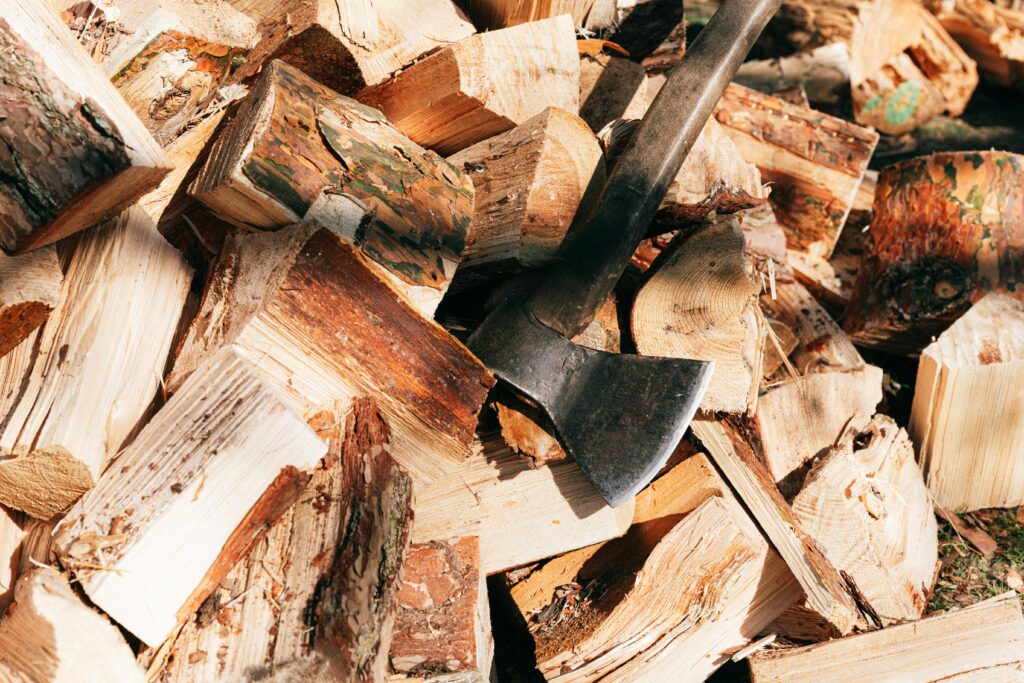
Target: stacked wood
[528,184]
[947,228]
[992,35]
[521,514]
[317,596]
[492,14]
[348,45]
[76,390]
[931,649]
[443,625]
[964,419]
[611,88]
[75,152]
[823,73]
[700,302]
[29,290]
[866,506]
[813,161]
[831,280]
[51,635]
[482,85]
[308,307]
[294,140]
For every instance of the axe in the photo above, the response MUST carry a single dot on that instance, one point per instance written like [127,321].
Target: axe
[620,416]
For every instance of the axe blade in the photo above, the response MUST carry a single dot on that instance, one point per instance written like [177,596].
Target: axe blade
[619,416]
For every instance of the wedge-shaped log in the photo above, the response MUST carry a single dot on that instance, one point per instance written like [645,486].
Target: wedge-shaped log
[29,290]
[53,636]
[813,161]
[528,183]
[932,649]
[701,303]
[75,390]
[483,85]
[947,228]
[443,625]
[520,514]
[349,44]
[308,307]
[75,153]
[964,420]
[294,139]
[169,507]
[992,35]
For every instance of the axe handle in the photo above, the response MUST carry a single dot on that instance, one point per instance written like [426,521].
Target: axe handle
[577,286]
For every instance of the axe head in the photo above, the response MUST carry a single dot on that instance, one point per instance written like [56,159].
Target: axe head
[619,416]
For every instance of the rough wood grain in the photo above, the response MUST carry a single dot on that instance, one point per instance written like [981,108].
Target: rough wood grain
[29,289]
[823,73]
[992,35]
[75,154]
[483,85]
[492,14]
[12,533]
[947,228]
[611,88]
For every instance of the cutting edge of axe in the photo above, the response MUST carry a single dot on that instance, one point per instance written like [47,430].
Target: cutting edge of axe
[619,415]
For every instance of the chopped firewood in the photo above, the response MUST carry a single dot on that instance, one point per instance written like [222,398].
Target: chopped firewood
[348,44]
[75,153]
[823,73]
[29,290]
[522,431]
[307,306]
[813,161]
[88,376]
[827,597]
[521,514]
[492,14]
[946,229]
[483,85]
[866,506]
[832,279]
[341,544]
[443,625]
[701,303]
[51,635]
[164,514]
[763,235]
[802,418]
[981,642]
[295,139]
[611,88]
[652,33]
[780,343]
[992,35]
[965,418]
[528,183]
[12,533]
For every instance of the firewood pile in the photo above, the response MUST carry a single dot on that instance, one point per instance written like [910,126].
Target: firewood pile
[245,243]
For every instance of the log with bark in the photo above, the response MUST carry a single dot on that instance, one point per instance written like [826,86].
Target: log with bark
[75,390]
[947,228]
[296,145]
[316,597]
[75,153]
[483,85]
[51,635]
[183,502]
[992,35]
[492,14]
[965,419]
[29,289]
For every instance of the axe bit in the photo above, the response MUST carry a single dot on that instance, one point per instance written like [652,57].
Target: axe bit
[620,416]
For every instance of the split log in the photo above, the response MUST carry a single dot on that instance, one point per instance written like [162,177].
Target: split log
[965,419]
[992,35]
[493,14]
[307,306]
[763,236]
[29,290]
[172,509]
[801,419]
[932,649]
[831,280]
[947,228]
[520,514]
[823,73]
[294,140]
[528,183]
[276,614]
[443,625]
[701,303]
[12,533]
[813,161]
[611,88]
[51,635]
[828,602]
[78,388]
[349,45]
[866,506]
[75,152]
[483,85]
